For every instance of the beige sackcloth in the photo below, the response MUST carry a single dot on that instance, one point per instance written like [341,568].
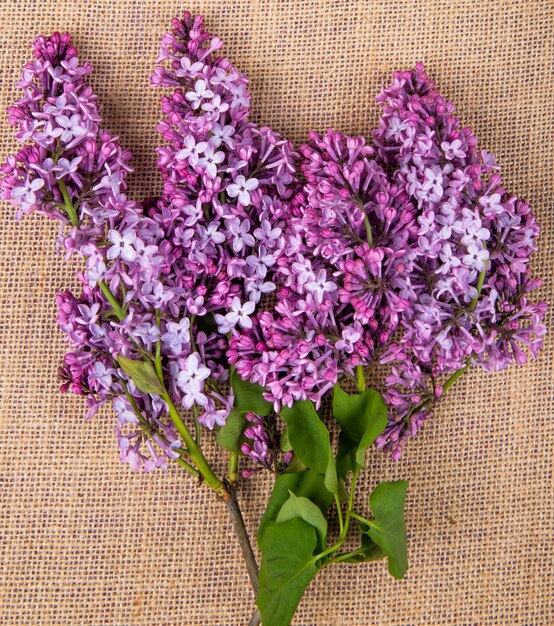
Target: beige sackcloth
[84,540]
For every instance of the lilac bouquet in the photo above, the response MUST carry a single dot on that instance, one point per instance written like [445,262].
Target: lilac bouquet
[264,283]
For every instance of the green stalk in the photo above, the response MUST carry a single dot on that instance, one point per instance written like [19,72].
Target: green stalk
[194,451]
[117,308]
[450,381]
[158,357]
[188,467]
[344,525]
[351,501]
[344,557]
[361,378]
[368,231]
[68,205]
[339,513]
[480,282]
[232,472]
[360,518]
[369,234]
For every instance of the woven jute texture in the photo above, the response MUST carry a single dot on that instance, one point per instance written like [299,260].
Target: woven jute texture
[83,540]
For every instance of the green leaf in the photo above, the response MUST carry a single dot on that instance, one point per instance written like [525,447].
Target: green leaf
[284,442]
[388,528]
[306,484]
[301,507]
[143,374]
[362,418]
[310,440]
[230,435]
[287,568]
[248,398]
[368,550]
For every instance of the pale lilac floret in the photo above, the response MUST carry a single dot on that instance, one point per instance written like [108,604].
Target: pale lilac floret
[210,160]
[177,335]
[191,150]
[200,93]
[241,189]
[191,381]
[122,245]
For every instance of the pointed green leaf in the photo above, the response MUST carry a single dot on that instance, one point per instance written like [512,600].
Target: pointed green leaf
[286,570]
[248,398]
[143,374]
[362,418]
[301,507]
[388,528]
[307,484]
[310,440]
[229,436]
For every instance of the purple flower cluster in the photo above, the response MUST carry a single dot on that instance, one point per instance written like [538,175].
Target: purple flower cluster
[165,281]
[230,180]
[69,168]
[409,253]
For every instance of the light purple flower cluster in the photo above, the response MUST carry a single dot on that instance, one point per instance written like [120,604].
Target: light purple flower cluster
[409,254]
[229,179]
[166,280]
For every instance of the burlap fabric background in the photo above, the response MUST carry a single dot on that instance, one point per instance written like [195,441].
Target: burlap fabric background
[85,541]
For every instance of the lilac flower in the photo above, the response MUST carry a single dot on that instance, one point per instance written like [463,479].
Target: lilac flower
[240,232]
[453,149]
[122,245]
[200,93]
[101,374]
[319,286]
[210,161]
[192,150]
[413,239]
[239,314]
[191,380]
[476,257]
[262,445]
[177,335]
[26,195]
[406,254]
[241,189]
[70,127]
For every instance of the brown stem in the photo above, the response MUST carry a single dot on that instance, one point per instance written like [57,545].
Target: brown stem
[233,507]
[255,619]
